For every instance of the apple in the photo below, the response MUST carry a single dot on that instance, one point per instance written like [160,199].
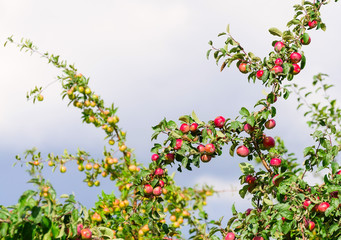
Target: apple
[219,121]
[201,148]
[338,172]
[159,172]
[184,128]
[259,74]
[322,207]
[296,69]
[79,228]
[230,236]
[271,123]
[278,62]
[178,144]
[279,46]
[277,69]
[209,148]
[205,158]
[87,91]
[307,42]
[86,233]
[161,183]
[312,24]
[148,189]
[193,127]
[243,151]
[248,211]
[250,179]
[40,97]
[311,225]
[243,68]
[268,142]
[275,162]
[62,169]
[170,157]
[306,203]
[155,157]
[258,238]
[295,57]
[157,191]
[276,181]
[248,128]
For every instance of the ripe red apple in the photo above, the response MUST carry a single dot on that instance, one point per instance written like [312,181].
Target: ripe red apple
[178,144]
[157,191]
[306,203]
[159,172]
[311,225]
[278,62]
[243,67]
[297,69]
[322,207]
[268,142]
[259,74]
[243,151]
[250,179]
[219,122]
[184,128]
[295,57]
[248,211]
[279,46]
[79,229]
[170,157]
[312,24]
[271,123]
[338,172]
[86,233]
[161,183]
[148,189]
[248,128]
[277,69]
[275,162]
[230,236]
[201,148]
[155,157]
[193,127]
[209,148]
[258,238]
[205,158]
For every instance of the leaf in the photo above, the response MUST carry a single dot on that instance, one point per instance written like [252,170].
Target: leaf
[303,61]
[208,53]
[246,168]
[244,112]
[268,201]
[275,32]
[228,28]
[196,119]
[221,34]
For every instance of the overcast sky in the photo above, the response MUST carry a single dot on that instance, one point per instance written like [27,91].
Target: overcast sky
[148,57]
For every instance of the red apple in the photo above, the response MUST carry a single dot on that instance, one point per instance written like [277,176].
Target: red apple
[250,179]
[209,148]
[169,157]
[268,142]
[161,183]
[307,42]
[243,67]
[205,158]
[86,233]
[279,46]
[271,123]
[311,225]
[178,144]
[248,128]
[306,203]
[230,236]
[184,128]
[259,74]
[159,172]
[322,207]
[258,238]
[312,24]
[338,172]
[277,69]
[157,191]
[297,69]
[295,57]
[248,211]
[193,127]
[219,121]
[277,180]
[278,62]
[275,162]
[201,148]
[79,229]
[243,151]
[155,157]
[148,189]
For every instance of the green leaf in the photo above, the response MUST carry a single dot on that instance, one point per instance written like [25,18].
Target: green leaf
[303,61]
[234,211]
[275,32]
[208,53]
[268,201]
[196,119]
[246,168]
[244,112]
[228,28]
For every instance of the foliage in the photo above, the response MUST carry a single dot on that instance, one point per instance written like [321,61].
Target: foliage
[285,205]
